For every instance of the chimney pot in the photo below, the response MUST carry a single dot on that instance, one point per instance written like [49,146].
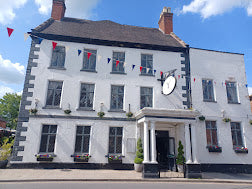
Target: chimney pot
[58,9]
[166,21]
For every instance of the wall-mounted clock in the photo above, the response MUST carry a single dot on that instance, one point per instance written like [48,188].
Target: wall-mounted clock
[169,85]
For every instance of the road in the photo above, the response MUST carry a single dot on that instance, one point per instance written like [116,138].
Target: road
[119,185]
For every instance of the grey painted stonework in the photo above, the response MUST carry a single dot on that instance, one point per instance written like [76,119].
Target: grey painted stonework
[23,113]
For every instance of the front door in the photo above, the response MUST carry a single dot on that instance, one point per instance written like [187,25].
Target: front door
[162,141]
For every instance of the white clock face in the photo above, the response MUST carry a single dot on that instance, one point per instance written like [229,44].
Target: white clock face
[169,85]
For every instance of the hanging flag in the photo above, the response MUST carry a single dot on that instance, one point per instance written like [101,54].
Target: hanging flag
[194,79]
[124,64]
[117,62]
[133,66]
[10,31]
[147,69]
[225,83]
[178,76]
[89,54]
[40,40]
[67,48]
[161,73]
[109,60]
[26,35]
[141,68]
[54,44]
[246,85]
[99,58]
[79,52]
[155,71]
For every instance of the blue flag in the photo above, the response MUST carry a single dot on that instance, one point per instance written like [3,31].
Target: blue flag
[246,85]
[155,71]
[79,52]
[133,66]
[109,60]
[40,40]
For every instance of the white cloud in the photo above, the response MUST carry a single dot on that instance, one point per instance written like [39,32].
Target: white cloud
[208,8]
[74,8]
[7,13]
[250,90]
[4,90]
[11,73]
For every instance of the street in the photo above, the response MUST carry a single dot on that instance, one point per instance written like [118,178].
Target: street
[120,185]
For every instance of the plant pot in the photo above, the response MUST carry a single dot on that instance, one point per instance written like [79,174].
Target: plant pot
[45,159]
[138,167]
[3,164]
[180,168]
[119,161]
[81,160]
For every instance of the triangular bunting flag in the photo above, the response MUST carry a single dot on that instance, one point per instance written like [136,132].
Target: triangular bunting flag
[99,58]
[194,79]
[148,69]
[133,66]
[67,48]
[178,76]
[89,54]
[124,64]
[161,73]
[26,35]
[54,44]
[117,62]
[40,40]
[246,85]
[10,31]
[79,52]
[141,68]
[155,71]
[109,60]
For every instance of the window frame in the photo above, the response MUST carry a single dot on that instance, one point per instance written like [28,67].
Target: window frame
[83,135]
[53,101]
[144,70]
[141,107]
[54,52]
[85,58]
[86,108]
[235,90]
[236,138]
[212,129]
[210,89]
[121,64]
[115,141]
[117,94]
[48,139]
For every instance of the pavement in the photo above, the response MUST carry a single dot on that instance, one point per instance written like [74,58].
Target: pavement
[47,175]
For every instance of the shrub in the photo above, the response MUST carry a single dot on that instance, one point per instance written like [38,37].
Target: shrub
[139,152]
[101,114]
[6,149]
[180,157]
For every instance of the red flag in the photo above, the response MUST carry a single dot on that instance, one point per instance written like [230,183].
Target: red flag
[194,79]
[117,62]
[88,55]
[54,45]
[178,76]
[10,31]
[141,67]
[161,73]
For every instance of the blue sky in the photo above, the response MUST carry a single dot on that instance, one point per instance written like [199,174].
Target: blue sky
[224,25]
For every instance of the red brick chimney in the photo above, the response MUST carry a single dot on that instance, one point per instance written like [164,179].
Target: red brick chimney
[166,21]
[58,9]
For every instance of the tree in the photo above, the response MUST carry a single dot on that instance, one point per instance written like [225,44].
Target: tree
[180,157]
[139,152]
[9,108]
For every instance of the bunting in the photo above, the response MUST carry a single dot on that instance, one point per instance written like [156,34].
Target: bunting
[40,40]
[141,68]
[109,59]
[161,73]
[26,35]
[89,54]
[155,71]
[133,66]
[147,69]
[10,30]
[117,62]
[79,52]
[54,44]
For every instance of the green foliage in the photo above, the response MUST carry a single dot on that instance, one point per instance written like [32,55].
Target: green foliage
[180,157]
[101,114]
[129,114]
[6,148]
[139,153]
[9,107]
[67,111]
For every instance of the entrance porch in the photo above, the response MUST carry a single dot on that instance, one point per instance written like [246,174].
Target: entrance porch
[161,130]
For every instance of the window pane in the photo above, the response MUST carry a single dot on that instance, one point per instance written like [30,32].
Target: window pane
[214,137]
[58,57]
[45,129]
[235,143]
[117,96]
[51,143]
[86,144]
[112,130]
[111,144]
[53,128]
[146,97]
[118,56]
[119,130]
[43,143]
[89,64]
[208,93]
[78,144]
[87,95]
[146,62]
[208,135]
[239,138]
[79,129]
[54,93]
[87,130]
[49,100]
[119,144]
[231,92]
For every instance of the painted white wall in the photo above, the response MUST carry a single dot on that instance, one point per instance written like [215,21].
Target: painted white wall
[220,67]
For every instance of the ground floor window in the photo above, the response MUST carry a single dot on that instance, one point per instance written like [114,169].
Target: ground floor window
[82,139]
[115,140]
[236,134]
[48,138]
[211,133]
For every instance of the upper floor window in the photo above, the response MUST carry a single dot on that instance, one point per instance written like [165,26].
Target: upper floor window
[146,97]
[147,64]
[211,133]
[87,96]
[208,92]
[89,60]
[236,134]
[58,57]
[54,93]
[115,140]
[48,138]
[231,92]
[82,139]
[117,95]
[118,62]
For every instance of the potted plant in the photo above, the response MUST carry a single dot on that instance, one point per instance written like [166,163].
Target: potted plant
[139,156]
[129,114]
[33,111]
[180,158]
[45,157]
[81,158]
[6,151]
[226,120]
[241,150]
[214,148]
[101,114]
[68,111]
[202,118]
[114,159]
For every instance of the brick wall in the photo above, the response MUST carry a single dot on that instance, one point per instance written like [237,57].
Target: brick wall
[2,124]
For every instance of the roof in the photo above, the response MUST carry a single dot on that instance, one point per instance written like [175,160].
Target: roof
[106,30]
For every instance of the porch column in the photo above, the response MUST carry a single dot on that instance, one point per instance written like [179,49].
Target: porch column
[194,144]
[188,144]
[146,143]
[153,143]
